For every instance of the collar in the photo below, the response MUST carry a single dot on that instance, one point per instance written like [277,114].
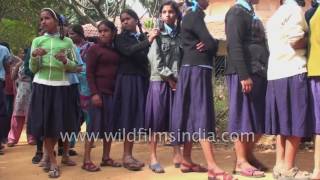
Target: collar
[52,35]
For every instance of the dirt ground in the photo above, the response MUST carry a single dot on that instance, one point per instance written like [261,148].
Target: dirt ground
[16,164]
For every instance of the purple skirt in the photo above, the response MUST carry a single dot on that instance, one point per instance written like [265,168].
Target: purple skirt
[287,106]
[54,111]
[3,112]
[100,119]
[246,111]
[193,109]
[314,84]
[129,102]
[158,106]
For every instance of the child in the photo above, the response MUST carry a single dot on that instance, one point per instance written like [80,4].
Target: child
[4,57]
[21,105]
[52,56]
[164,55]
[246,77]
[132,82]
[287,90]
[102,66]
[76,33]
[193,113]
[314,85]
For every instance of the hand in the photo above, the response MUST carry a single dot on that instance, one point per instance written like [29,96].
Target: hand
[153,34]
[172,84]
[79,69]
[96,100]
[61,57]
[300,44]
[201,47]
[246,85]
[39,52]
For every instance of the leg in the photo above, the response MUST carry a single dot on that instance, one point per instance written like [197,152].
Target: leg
[128,161]
[65,156]
[106,160]
[153,148]
[316,170]
[177,156]
[49,146]
[280,151]
[17,123]
[292,145]
[39,153]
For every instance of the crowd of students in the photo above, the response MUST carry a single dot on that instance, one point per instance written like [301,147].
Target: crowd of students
[162,82]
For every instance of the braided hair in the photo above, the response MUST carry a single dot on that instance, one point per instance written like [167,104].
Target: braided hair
[134,15]
[175,7]
[57,17]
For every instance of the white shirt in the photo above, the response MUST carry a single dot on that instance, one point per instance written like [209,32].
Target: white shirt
[286,26]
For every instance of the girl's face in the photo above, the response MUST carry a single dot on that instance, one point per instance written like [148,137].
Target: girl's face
[168,15]
[203,4]
[48,23]
[128,22]
[74,36]
[105,34]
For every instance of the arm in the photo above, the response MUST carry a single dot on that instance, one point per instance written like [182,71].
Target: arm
[235,32]
[200,29]
[71,65]
[91,69]
[34,62]
[297,34]
[129,49]
[27,70]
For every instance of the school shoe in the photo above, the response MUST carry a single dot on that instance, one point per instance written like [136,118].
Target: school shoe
[71,152]
[294,174]
[37,158]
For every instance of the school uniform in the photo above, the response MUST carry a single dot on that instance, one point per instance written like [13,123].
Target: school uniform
[193,109]
[102,65]
[313,70]
[247,58]
[50,114]
[4,56]
[132,82]
[165,57]
[287,91]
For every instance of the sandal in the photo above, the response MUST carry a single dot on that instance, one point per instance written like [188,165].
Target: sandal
[186,168]
[157,168]
[258,164]
[131,164]
[45,166]
[294,174]
[219,176]
[90,167]
[54,172]
[110,162]
[248,172]
[68,162]
[138,162]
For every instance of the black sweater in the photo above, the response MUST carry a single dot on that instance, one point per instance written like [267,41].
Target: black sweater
[245,56]
[134,53]
[193,31]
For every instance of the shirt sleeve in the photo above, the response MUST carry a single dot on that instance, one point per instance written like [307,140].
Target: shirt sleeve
[34,63]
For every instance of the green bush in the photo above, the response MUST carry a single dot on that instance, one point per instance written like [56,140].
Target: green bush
[17,33]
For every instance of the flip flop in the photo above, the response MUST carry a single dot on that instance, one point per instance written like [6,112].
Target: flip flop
[214,176]
[110,162]
[250,172]
[157,168]
[193,168]
[90,167]
[68,162]
[54,172]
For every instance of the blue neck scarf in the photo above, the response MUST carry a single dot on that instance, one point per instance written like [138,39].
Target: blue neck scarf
[136,35]
[247,6]
[169,30]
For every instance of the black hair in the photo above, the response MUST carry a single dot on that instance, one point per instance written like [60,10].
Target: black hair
[175,7]
[134,15]
[78,29]
[59,18]
[5,44]
[301,3]
[110,25]
[314,3]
